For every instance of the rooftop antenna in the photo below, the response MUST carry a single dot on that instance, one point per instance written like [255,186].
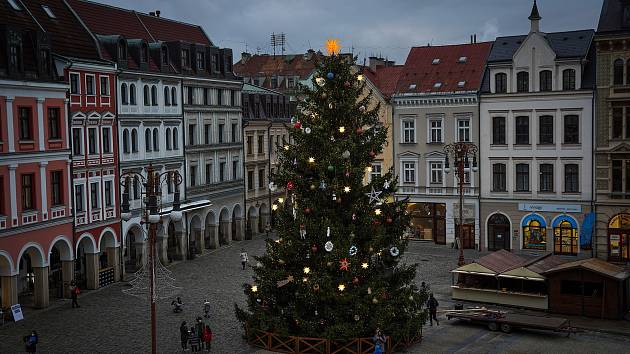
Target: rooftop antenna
[278,40]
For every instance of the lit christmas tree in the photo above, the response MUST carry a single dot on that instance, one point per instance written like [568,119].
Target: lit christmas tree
[334,270]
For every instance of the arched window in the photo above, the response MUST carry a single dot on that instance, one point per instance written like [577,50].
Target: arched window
[167,96]
[534,232]
[522,81]
[132,94]
[126,141]
[134,140]
[123,94]
[154,99]
[568,79]
[500,83]
[147,139]
[618,72]
[136,188]
[545,80]
[156,140]
[175,139]
[565,235]
[619,237]
[498,232]
[147,98]
[173,96]
[168,138]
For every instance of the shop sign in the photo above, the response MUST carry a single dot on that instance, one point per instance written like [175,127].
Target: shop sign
[467,213]
[17,312]
[555,208]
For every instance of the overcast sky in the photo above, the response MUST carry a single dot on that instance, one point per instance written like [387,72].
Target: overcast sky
[386,27]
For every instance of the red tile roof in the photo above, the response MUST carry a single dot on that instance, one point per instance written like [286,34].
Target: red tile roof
[385,78]
[420,71]
[166,30]
[283,65]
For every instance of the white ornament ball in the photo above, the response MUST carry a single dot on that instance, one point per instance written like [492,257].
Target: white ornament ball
[328,246]
[307,130]
[362,109]
[346,154]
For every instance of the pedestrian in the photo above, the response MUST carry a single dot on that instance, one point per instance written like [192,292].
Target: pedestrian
[74,293]
[244,258]
[379,342]
[178,305]
[199,325]
[195,341]
[267,229]
[183,335]
[30,342]
[206,308]
[207,337]
[433,304]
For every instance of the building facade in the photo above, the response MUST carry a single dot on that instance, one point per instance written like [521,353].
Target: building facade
[536,140]
[612,131]
[436,103]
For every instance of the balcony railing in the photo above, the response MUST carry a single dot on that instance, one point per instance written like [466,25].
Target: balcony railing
[448,191]
[3,222]
[29,217]
[58,212]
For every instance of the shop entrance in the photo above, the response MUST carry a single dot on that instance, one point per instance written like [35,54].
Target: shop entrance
[498,232]
[619,238]
[428,222]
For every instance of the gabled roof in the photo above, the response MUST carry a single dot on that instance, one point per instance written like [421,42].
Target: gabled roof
[457,63]
[385,78]
[594,265]
[611,18]
[282,65]
[501,260]
[571,44]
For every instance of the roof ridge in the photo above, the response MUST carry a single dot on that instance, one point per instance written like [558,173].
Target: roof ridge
[451,45]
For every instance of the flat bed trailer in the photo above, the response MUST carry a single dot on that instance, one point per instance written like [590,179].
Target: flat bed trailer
[506,322]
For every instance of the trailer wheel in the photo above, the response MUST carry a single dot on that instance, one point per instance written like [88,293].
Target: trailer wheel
[506,328]
[493,326]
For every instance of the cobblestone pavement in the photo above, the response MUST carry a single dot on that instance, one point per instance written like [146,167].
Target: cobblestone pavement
[112,322]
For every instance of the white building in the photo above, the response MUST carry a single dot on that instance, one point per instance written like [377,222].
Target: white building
[536,140]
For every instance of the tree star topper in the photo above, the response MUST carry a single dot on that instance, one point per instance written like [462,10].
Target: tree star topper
[374,195]
[332,46]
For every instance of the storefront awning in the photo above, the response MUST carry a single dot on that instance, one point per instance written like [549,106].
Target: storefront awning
[474,268]
[522,273]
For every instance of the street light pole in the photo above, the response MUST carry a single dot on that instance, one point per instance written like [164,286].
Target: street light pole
[460,152]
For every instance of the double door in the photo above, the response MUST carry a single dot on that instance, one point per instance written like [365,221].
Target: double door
[468,235]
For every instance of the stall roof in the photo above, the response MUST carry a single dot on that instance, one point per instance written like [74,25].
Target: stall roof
[474,268]
[501,260]
[522,273]
[594,265]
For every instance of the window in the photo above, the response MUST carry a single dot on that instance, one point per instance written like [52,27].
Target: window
[545,80]
[235,169]
[122,50]
[409,172]
[201,61]
[193,176]
[628,63]
[56,183]
[144,55]
[220,97]
[250,180]
[546,177]
[221,130]
[565,236]
[208,173]
[409,131]
[234,132]
[78,198]
[169,137]
[261,178]
[461,84]
[435,61]
[147,98]
[132,94]
[522,130]
[14,5]
[137,194]
[545,126]
[147,139]
[185,58]
[45,60]
[109,193]
[188,95]
[123,94]
[134,140]
[222,171]
[568,79]
[192,133]
[233,101]
[92,141]
[571,178]
[75,87]
[498,177]
[54,123]
[571,129]
[174,96]
[436,172]
[215,63]
[26,124]
[207,128]
[170,183]
[90,88]
[156,140]
[126,141]
[94,202]
[437,85]
[463,130]
[164,56]
[498,131]
[28,192]
[462,60]
[107,140]
[175,139]
[167,96]
[522,177]
[534,232]
[104,85]
[522,81]
[617,123]
[154,99]
[261,144]
[250,145]
[435,135]
[377,169]
[618,72]
[77,141]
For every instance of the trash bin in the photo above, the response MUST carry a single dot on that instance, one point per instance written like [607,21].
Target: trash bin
[459,306]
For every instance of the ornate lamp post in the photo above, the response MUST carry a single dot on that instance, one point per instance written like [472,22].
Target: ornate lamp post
[460,153]
[151,213]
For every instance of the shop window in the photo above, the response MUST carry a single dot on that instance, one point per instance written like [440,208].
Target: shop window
[428,221]
[565,236]
[534,232]
[619,237]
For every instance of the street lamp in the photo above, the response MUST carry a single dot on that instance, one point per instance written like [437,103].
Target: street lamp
[460,153]
[151,212]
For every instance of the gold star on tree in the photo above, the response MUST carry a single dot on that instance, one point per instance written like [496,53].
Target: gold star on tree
[332,46]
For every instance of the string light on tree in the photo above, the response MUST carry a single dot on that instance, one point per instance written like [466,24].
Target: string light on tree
[342,129]
[307,270]
[341,287]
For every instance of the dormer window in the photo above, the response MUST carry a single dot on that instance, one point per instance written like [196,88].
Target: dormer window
[435,61]
[48,12]
[164,56]
[144,55]
[185,58]
[15,51]
[122,50]
[462,60]
[201,61]
[461,84]
[412,86]
[45,58]
[626,16]
[437,85]
[14,4]
[215,63]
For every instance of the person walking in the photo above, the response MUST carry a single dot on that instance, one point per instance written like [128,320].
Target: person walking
[433,304]
[30,342]
[379,342]
[183,335]
[74,293]
[206,309]
[195,341]
[207,337]
[244,258]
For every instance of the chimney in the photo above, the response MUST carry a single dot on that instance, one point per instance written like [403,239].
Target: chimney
[534,19]
[475,38]
[245,57]
[157,13]
[151,13]
[471,39]
[376,61]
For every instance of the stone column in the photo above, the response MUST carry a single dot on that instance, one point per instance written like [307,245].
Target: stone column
[43,178]
[67,273]
[41,287]
[91,270]
[199,240]
[238,233]
[182,250]
[40,123]
[113,261]
[212,237]
[9,291]
[10,129]
[226,230]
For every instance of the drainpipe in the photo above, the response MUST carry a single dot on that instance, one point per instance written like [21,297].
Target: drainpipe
[245,213]
[121,258]
[71,201]
[480,170]
[593,172]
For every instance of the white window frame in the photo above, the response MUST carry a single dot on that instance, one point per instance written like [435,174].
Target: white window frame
[113,192]
[412,168]
[99,191]
[106,77]
[404,129]
[97,143]
[430,129]
[436,169]
[86,84]
[78,83]
[377,170]
[111,138]
[459,129]
[80,183]
[82,140]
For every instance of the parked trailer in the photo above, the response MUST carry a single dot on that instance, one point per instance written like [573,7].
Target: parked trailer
[506,322]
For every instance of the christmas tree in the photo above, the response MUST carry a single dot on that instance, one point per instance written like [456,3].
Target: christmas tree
[334,270]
